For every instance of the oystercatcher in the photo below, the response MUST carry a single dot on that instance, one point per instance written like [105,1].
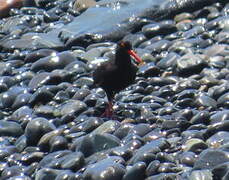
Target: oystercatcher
[116,74]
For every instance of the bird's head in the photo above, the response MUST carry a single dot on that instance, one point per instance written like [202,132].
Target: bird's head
[126,46]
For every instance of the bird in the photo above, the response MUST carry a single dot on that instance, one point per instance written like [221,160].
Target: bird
[116,74]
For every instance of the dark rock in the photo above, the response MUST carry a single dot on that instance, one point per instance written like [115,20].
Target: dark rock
[111,167]
[9,128]
[136,171]
[36,128]
[55,61]
[210,158]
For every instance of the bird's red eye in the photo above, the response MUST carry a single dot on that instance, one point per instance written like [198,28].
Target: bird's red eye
[122,44]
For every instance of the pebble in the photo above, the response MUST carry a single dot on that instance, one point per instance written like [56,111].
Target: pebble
[36,128]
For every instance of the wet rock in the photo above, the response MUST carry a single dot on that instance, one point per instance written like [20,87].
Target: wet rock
[73,161]
[43,143]
[221,171]
[47,173]
[57,143]
[148,70]
[33,41]
[11,171]
[205,101]
[201,174]
[97,142]
[72,106]
[136,171]
[218,139]
[36,128]
[162,28]
[188,158]
[210,158]
[80,5]
[148,150]
[55,61]
[9,128]
[112,169]
[38,54]
[190,64]
[195,145]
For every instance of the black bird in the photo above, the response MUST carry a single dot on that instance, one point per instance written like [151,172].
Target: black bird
[116,74]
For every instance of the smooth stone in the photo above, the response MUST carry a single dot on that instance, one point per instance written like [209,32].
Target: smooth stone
[164,176]
[55,61]
[43,143]
[68,175]
[210,158]
[8,98]
[47,173]
[218,139]
[140,129]
[221,171]
[10,128]
[74,161]
[188,158]
[81,6]
[54,159]
[135,39]
[223,100]
[159,46]
[123,130]
[196,30]
[201,174]
[205,101]
[30,158]
[33,41]
[36,128]
[216,127]
[152,168]
[80,94]
[195,145]
[82,81]
[148,70]
[57,143]
[201,117]
[169,61]
[72,106]
[149,150]
[107,127]
[219,116]
[44,111]
[137,171]
[88,126]
[190,64]
[97,142]
[21,100]
[42,96]
[11,171]
[20,178]
[162,28]
[38,54]
[107,169]
[183,16]
[122,151]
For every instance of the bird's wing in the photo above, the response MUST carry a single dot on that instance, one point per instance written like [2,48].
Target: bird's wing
[103,71]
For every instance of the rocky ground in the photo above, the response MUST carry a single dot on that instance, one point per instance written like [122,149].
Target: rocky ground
[173,123]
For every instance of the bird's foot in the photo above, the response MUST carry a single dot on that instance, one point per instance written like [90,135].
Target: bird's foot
[108,113]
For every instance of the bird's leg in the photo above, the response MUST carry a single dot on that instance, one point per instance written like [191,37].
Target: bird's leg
[109,109]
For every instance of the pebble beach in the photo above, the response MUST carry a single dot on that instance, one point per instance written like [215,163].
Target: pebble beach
[171,124]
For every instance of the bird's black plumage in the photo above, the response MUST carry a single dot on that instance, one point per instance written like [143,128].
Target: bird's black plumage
[118,73]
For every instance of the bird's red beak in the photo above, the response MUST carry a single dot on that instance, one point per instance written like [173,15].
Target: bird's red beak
[135,56]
